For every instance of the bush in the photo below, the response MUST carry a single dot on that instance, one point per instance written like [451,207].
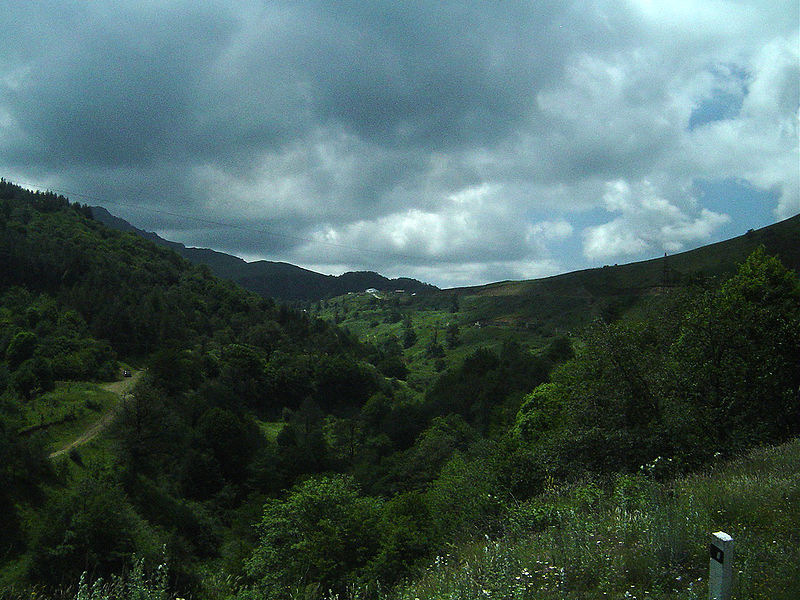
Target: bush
[323,534]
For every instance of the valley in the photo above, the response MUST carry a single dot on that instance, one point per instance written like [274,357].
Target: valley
[384,444]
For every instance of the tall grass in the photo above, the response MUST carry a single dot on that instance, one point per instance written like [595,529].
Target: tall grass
[135,585]
[638,538]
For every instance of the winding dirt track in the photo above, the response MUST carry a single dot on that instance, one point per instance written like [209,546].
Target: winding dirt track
[120,388]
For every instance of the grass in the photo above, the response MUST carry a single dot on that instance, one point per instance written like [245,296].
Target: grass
[638,538]
[480,326]
[57,418]
[66,412]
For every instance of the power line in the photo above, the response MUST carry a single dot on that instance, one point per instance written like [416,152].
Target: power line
[221,223]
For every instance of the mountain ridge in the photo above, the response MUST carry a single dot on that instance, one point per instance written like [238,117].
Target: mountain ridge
[714,260]
[280,280]
[289,282]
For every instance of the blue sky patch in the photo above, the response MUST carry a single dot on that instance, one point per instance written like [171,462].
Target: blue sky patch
[749,207]
[726,100]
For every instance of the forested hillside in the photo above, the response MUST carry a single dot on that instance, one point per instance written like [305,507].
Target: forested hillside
[269,454]
[279,280]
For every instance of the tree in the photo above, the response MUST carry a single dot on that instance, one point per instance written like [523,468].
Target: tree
[148,431]
[409,335]
[323,534]
[33,377]
[454,304]
[242,369]
[174,370]
[406,536]
[230,440]
[451,335]
[738,352]
[90,528]
[542,410]
[20,348]
[434,348]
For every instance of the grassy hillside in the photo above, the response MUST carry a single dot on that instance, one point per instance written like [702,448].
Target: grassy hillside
[635,537]
[572,299]
[537,311]
[445,329]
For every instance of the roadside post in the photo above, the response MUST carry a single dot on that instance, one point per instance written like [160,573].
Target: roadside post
[720,570]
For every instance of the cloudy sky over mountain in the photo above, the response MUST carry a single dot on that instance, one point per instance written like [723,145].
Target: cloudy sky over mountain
[456,142]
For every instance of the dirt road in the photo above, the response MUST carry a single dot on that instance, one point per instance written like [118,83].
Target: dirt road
[120,388]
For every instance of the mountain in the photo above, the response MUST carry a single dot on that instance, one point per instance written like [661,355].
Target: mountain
[279,280]
[80,302]
[718,260]
[564,302]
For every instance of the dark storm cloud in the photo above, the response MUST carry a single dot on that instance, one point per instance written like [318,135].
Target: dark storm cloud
[433,74]
[111,88]
[128,86]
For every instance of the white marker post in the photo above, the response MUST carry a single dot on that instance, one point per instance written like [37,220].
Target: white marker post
[720,570]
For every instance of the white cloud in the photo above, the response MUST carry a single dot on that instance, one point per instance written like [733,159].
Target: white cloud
[550,230]
[648,222]
[474,222]
[760,144]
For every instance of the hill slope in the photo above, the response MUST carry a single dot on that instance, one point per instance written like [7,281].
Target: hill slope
[270,279]
[581,541]
[569,300]
[444,327]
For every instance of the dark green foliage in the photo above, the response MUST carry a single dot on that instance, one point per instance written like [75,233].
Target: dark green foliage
[486,386]
[434,349]
[451,336]
[420,464]
[388,358]
[322,534]
[738,354]
[200,475]
[20,348]
[242,369]
[232,442]
[409,335]
[175,370]
[23,465]
[56,340]
[454,303]
[341,383]
[464,500]
[149,432]
[541,411]
[193,532]
[91,527]
[718,374]
[407,534]
[393,366]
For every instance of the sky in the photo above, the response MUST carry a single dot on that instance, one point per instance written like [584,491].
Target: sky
[459,143]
